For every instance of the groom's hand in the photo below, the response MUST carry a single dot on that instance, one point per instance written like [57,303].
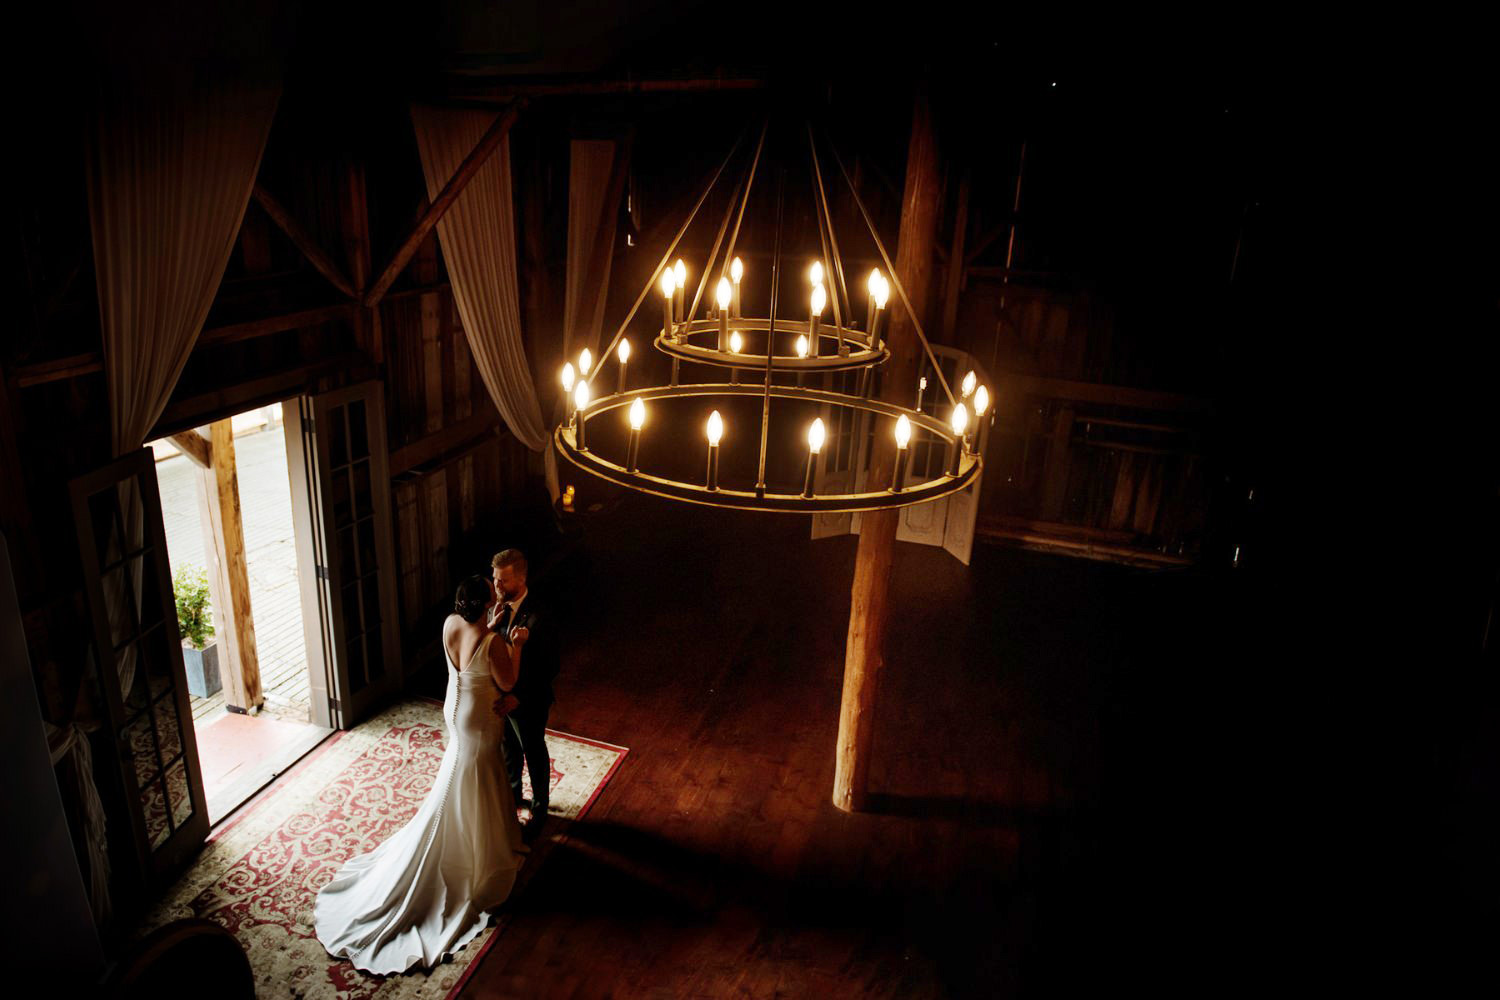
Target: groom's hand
[506,704]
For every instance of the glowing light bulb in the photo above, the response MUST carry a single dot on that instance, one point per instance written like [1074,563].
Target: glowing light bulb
[637,415]
[802,346]
[736,342]
[679,271]
[882,293]
[624,351]
[815,273]
[585,362]
[668,283]
[874,283]
[903,431]
[981,401]
[969,382]
[581,395]
[922,384]
[736,270]
[815,436]
[819,299]
[725,294]
[960,419]
[567,377]
[715,427]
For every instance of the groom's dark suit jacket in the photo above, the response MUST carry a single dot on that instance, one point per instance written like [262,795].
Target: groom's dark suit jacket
[541,657]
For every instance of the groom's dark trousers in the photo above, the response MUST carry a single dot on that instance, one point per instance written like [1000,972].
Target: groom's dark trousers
[526,726]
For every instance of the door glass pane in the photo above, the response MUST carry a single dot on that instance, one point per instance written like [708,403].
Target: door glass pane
[132,671]
[359,443]
[338,439]
[178,794]
[342,511]
[357,679]
[168,732]
[367,561]
[141,748]
[149,604]
[353,624]
[106,527]
[132,514]
[374,654]
[119,605]
[348,568]
[154,808]
[370,590]
[363,500]
[156,660]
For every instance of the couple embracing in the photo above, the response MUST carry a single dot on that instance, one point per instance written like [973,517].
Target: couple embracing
[423,893]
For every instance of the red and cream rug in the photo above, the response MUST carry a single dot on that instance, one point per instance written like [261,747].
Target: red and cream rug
[259,872]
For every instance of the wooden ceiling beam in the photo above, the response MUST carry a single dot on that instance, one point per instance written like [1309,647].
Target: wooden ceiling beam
[304,242]
[196,447]
[476,159]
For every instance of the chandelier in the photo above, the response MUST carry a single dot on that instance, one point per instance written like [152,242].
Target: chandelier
[773,358]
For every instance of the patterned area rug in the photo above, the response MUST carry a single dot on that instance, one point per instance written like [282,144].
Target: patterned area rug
[259,872]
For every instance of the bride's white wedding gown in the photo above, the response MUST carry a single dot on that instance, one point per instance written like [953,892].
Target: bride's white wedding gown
[422,894]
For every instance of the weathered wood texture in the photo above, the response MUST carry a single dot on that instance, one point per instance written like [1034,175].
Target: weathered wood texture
[224,546]
[870,595]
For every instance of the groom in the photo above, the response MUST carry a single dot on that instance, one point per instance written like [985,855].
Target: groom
[526,725]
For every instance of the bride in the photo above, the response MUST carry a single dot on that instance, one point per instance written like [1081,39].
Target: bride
[422,894]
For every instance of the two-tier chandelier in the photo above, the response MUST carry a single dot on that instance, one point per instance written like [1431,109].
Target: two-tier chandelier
[781,354]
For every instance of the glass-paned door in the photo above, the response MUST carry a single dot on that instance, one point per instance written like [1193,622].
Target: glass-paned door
[336,454]
[138,652]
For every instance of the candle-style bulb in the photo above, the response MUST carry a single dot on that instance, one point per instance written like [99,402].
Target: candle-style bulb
[903,431]
[725,294]
[715,427]
[736,342]
[815,436]
[874,283]
[970,380]
[960,419]
[883,292]
[981,401]
[736,270]
[567,377]
[819,300]
[922,382]
[581,395]
[668,283]
[624,351]
[679,271]
[815,273]
[585,362]
[802,346]
[637,415]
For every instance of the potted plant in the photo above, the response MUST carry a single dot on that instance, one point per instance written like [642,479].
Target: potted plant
[195,620]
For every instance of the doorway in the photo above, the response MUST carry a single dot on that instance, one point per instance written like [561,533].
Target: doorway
[249,686]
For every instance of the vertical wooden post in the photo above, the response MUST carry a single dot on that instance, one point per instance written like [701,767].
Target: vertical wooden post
[877,537]
[224,547]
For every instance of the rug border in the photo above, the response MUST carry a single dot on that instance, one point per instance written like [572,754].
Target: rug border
[562,838]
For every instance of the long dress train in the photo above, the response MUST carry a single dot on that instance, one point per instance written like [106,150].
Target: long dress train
[423,893]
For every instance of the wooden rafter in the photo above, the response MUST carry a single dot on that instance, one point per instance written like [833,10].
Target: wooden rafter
[196,447]
[476,159]
[304,242]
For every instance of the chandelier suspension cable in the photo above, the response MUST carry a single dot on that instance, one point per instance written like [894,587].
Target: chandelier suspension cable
[833,240]
[765,406]
[838,319]
[744,200]
[714,253]
[666,257]
[895,278]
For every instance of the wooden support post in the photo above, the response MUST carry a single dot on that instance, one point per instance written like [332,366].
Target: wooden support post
[954,279]
[196,447]
[877,538]
[229,580]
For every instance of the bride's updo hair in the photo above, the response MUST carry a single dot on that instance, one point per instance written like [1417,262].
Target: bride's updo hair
[472,598]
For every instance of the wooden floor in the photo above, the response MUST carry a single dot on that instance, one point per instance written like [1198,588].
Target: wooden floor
[1049,762]
[271,558]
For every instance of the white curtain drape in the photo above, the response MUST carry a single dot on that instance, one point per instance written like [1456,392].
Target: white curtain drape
[478,238]
[169,175]
[72,740]
[592,217]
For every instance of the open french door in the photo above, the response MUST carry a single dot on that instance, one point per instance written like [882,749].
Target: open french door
[138,651]
[341,505]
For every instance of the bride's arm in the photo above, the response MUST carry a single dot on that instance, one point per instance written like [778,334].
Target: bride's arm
[505,662]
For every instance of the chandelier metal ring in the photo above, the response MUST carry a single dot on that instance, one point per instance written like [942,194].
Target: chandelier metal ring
[565,439]
[860,356]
